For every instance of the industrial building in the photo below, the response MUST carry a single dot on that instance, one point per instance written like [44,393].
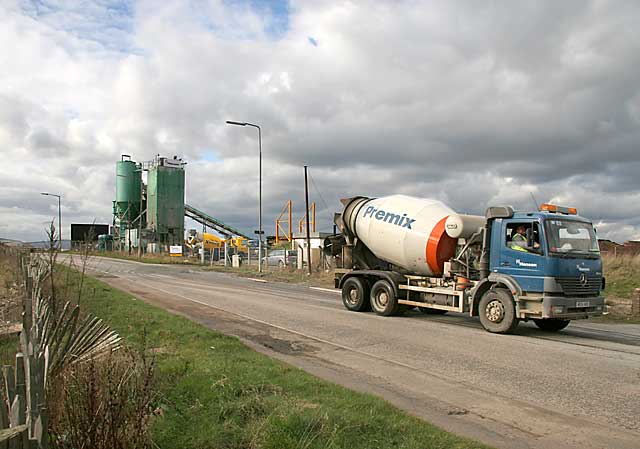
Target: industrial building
[151,216]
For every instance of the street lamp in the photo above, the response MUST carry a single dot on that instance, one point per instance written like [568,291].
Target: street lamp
[59,216]
[231,122]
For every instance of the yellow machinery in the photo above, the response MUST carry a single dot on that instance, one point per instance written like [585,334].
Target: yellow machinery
[212,241]
[240,243]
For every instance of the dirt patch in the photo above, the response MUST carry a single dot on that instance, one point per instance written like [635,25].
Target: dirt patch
[619,307]
[280,345]
[10,292]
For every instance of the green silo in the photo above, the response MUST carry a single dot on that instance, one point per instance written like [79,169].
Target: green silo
[165,200]
[128,185]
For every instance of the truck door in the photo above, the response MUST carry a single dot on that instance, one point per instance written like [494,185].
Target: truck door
[519,260]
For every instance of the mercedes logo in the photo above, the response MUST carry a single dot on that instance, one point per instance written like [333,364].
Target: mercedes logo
[583,279]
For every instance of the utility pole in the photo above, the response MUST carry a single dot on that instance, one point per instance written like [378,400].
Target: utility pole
[306,202]
[204,231]
[140,223]
[59,216]
[129,225]
[231,122]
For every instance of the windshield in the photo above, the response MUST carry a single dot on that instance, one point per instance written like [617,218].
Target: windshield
[567,236]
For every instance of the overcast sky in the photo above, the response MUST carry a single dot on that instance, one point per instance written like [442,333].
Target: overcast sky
[475,103]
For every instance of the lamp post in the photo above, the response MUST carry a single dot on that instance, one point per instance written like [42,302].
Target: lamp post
[230,122]
[59,216]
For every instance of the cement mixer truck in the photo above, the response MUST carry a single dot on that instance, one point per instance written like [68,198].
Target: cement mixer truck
[400,252]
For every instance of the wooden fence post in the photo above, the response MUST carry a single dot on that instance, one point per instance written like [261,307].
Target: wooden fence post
[635,302]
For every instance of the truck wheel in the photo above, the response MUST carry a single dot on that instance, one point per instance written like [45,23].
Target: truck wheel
[498,312]
[551,324]
[355,295]
[428,311]
[383,299]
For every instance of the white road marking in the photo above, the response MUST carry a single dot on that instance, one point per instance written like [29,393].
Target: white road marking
[332,290]
[258,280]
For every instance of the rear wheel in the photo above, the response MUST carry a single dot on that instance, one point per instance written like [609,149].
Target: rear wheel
[281,264]
[498,312]
[355,294]
[551,324]
[383,299]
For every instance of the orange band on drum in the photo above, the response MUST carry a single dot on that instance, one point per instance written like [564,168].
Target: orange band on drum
[440,247]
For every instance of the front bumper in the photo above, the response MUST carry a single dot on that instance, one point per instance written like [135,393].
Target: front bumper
[572,308]
[561,307]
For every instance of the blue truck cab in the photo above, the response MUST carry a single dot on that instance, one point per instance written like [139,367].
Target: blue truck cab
[548,261]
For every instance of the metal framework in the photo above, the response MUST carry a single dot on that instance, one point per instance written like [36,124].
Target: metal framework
[284,232]
[302,221]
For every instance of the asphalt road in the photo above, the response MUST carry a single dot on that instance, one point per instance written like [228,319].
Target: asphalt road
[579,388]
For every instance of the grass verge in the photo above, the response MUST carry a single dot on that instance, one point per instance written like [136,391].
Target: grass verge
[623,277]
[317,279]
[217,393]
[146,258]
[622,274]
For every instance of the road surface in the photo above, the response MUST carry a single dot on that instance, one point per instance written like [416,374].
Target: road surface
[579,388]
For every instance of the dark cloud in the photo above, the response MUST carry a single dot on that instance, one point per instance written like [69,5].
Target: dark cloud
[472,103]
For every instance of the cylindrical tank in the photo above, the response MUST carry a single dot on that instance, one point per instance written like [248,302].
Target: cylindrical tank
[105,242]
[409,232]
[128,186]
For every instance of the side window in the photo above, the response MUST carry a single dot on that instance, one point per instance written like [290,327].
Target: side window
[520,234]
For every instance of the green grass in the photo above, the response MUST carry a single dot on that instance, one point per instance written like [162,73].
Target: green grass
[623,277]
[8,349]
[217,393]
[622,274]
[146,258]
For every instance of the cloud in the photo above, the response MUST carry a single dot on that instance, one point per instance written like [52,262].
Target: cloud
[474,104]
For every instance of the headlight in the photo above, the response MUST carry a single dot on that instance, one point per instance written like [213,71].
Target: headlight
[557,309]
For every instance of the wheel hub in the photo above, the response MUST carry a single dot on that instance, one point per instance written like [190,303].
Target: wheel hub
[353,296]
[495,311]
[383,298]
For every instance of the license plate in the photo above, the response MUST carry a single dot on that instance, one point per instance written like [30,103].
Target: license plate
[582,304]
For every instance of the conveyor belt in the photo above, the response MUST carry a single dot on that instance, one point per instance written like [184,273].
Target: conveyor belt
[213,223]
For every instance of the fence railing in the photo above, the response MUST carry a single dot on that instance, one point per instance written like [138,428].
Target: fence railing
[49,340]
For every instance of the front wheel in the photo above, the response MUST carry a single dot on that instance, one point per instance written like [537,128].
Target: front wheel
[383,299]
[551,324]
[498,312]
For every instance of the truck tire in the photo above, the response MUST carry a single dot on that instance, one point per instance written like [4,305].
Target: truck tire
[551,324]
[428,311]
[355,294]
[497,311]
[383,299]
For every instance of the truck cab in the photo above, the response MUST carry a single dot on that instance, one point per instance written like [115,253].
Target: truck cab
[550,262]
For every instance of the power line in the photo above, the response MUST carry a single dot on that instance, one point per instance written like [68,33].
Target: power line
[321,198]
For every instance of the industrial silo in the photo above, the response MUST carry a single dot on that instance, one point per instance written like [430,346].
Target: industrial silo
[165,200]
[128,186]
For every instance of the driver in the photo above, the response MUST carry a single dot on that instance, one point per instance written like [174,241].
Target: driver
[519,240]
